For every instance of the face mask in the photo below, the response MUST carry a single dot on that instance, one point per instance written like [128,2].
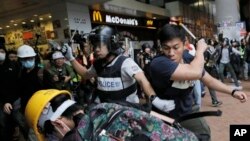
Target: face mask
[2,56]
[28,64]
[62,131]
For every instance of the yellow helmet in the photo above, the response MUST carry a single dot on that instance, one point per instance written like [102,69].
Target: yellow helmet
[35,107]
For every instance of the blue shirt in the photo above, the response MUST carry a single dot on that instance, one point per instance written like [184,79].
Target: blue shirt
[161,70]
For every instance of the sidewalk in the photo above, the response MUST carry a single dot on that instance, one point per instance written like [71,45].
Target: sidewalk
[233,112]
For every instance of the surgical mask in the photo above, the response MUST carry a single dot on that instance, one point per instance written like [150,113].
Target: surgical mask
[2,56]
[28,64]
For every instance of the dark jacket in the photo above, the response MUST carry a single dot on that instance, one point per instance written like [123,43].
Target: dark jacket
[8,85]
[29,83]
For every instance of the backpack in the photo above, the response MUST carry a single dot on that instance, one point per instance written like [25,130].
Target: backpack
[212,55]
[113,122]
[211,58]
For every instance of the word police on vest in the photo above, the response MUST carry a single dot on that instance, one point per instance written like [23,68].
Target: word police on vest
[239,132]
[109,84]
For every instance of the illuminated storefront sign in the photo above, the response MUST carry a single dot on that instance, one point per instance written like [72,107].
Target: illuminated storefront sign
[97,17]
[149,23]
[111,18]
[119,20]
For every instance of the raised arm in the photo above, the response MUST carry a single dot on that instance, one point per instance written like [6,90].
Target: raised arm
[192,71]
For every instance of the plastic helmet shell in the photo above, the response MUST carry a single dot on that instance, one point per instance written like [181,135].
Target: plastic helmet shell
[106,35]
[145,45]
[36,105]
[226,41]
[25,51]
[57,55]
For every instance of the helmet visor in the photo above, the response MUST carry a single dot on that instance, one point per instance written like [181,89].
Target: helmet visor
[99,40]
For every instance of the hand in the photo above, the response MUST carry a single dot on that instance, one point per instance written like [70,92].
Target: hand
[164,105]
[69,53]
[55,78]
[201,46]
[241,96]
[67,79]
[7,108]
[61,128]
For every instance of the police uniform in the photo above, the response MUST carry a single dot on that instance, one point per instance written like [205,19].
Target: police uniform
[115,80]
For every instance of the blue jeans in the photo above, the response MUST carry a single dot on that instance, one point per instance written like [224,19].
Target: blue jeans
[230,69]
[213,95]
[197,92]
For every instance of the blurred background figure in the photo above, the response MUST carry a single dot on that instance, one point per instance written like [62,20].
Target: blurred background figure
[59,74]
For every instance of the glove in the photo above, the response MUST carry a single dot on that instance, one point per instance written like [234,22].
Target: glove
[164,105]
[54,45]
[68,50]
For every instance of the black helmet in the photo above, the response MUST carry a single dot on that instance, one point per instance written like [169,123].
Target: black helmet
[225,41]
[145,45]
[107,35]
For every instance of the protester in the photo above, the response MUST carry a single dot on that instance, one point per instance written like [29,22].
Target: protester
[55,116]
[174,71]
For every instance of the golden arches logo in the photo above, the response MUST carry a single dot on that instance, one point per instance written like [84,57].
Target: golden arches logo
[150,22]
[97,16]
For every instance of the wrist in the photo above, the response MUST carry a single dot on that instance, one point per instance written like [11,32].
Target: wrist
[152,98]
[233,92]
[71,59]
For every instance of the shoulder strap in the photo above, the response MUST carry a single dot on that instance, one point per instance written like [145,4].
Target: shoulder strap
[102,129]
[199,114]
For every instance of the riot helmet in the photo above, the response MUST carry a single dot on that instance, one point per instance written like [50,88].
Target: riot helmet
[145,45]
[225,41]
[105,35]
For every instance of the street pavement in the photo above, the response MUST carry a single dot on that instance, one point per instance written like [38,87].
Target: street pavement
[233,112]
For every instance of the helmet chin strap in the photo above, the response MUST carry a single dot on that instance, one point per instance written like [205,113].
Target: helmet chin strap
[110,57]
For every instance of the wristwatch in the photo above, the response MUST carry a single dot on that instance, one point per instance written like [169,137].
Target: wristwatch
[152,98]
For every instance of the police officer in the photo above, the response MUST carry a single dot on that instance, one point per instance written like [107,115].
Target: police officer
[116,74]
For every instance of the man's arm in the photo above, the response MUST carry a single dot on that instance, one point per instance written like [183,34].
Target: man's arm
[163,105]
[236,51]
[217,85]
[192,71]
[81,70]
[144,83]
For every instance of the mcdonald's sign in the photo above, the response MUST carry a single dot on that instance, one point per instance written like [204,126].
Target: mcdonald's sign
[97,17]
[149,23]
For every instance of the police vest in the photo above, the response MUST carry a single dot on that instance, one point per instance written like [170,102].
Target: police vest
[109,81]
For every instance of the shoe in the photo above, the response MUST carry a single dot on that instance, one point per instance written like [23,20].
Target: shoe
[203,94]
[216,104]
[232,81]
[195,108]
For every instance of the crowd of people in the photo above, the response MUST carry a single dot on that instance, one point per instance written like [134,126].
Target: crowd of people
[170,78]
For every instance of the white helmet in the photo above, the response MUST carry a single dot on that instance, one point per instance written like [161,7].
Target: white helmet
[25,51]
[57,55]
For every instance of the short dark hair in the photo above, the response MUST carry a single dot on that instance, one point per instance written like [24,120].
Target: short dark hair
[169,32]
